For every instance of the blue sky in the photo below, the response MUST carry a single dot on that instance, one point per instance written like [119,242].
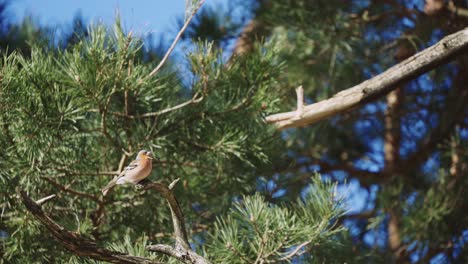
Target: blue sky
[144,16]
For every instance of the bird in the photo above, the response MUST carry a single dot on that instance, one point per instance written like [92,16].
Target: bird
[135,172]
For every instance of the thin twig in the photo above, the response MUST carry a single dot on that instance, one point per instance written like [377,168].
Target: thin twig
[296,250]
[123,159]
[241,105]
[186,256]
[262,236]
[276,249]
[237,253]
[97,173]
[172,185]
[126,102]
[174,43]
[300,101]
[68,190]
[45,199]
[96,218]
[195,99]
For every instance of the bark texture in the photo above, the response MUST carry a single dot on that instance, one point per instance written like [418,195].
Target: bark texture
[84,247]
[75,242]
[424,61]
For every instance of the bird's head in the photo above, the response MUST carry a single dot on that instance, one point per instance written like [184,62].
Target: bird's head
[145,154]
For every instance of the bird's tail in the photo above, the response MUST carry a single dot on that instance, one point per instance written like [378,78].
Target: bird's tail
[109,186]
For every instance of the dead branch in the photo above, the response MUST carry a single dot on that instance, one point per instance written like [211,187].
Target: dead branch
[45,199]
[186,256]
[177,216]
[176,39]
[69,190]
[463,12]
[81,246]
[75,242]
[377,86]
[181,250]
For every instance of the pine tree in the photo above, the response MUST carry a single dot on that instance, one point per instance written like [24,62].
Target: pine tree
[227,187]
[406,150]
[71,118]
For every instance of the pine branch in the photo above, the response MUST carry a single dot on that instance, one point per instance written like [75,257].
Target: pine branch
[82,246]
[373,88]
[194,100]
[75,242]
[187,256]
[69,190]
[80,173]
[450,118]
[296,251]
[177,216]
[237,253]
[181,250]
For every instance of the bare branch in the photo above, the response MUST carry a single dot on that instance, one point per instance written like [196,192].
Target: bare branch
[172,185]
[186,256]
[373,88]
[75,242]
[300,101]
[69,190]
[195,99]
[181,250]
[126,101]
[79,173]
[96,218]
[296,250]
[45,199]
[123,159]
[178,221]
[176,39]
[85,247]
[463,12]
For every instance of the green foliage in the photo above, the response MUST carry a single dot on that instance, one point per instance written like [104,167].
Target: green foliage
[256,231]
[69,116]
[320,46]
[431,215]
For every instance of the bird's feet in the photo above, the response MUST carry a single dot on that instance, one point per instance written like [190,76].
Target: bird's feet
[141,184]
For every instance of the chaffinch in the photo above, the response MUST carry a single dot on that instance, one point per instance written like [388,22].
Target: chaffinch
[135,172]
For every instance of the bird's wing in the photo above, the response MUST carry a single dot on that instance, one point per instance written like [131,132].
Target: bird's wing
[116,179]
[109,186]
[134,164]
[130,167]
